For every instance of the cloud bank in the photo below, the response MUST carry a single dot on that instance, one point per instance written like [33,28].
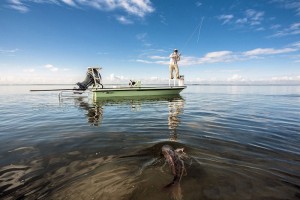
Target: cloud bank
[222,56]
[138,8]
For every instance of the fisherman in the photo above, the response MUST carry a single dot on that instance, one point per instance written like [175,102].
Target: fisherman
[174,58]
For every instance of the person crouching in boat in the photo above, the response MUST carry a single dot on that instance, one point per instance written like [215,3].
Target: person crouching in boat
[132,83]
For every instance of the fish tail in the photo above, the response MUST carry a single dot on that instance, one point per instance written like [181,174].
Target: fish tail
[175,181]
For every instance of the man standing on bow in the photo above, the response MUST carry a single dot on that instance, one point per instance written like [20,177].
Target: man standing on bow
[174,58]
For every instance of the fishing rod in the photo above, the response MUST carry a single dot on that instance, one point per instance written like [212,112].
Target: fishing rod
[198,27]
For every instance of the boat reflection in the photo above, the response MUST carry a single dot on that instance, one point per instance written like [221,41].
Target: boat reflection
[175,109]
[94,111]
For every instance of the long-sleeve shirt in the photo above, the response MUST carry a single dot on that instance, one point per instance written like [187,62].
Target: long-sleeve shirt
[174,58]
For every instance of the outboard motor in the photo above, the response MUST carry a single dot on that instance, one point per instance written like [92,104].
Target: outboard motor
[93,77]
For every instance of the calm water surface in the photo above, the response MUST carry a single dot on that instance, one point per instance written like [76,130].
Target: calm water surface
[242,142]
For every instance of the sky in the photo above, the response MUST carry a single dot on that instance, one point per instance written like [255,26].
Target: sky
[220,41]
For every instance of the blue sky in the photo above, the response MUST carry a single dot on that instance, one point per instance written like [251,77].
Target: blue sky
[54,41]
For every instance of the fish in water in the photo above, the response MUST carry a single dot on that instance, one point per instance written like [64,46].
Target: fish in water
[175,160]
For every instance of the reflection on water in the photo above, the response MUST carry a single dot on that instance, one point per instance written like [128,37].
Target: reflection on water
[94,112]
[241,143]
[175,109]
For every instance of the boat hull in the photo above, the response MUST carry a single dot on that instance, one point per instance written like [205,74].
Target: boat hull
[136,91]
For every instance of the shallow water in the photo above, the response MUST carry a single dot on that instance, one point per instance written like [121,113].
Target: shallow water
[242,142]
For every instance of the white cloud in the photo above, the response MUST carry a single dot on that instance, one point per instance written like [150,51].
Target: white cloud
[160,62]
[8,51]
[212,57]
[242,21]
[46,1]
[138,8]
[286,78]
[30,70]
[51,68]
[268,51]
[296,44]
[225,18]
[113,77]
[251,18]
[154,78]
[275,26]
[135,7]
[254,17]
[124,20]
[145,61]
[18,5]
[236,77]
[293,29]
[260,29]
[158,57]
[295,26]
[37,75]
[48,66]
[69,2]
[198,4]
[141,36]
[295,5]
[218,56]
[289,4]
[246,19]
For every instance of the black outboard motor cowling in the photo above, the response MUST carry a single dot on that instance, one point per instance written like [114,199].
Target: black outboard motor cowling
[93,77]
[88,81]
